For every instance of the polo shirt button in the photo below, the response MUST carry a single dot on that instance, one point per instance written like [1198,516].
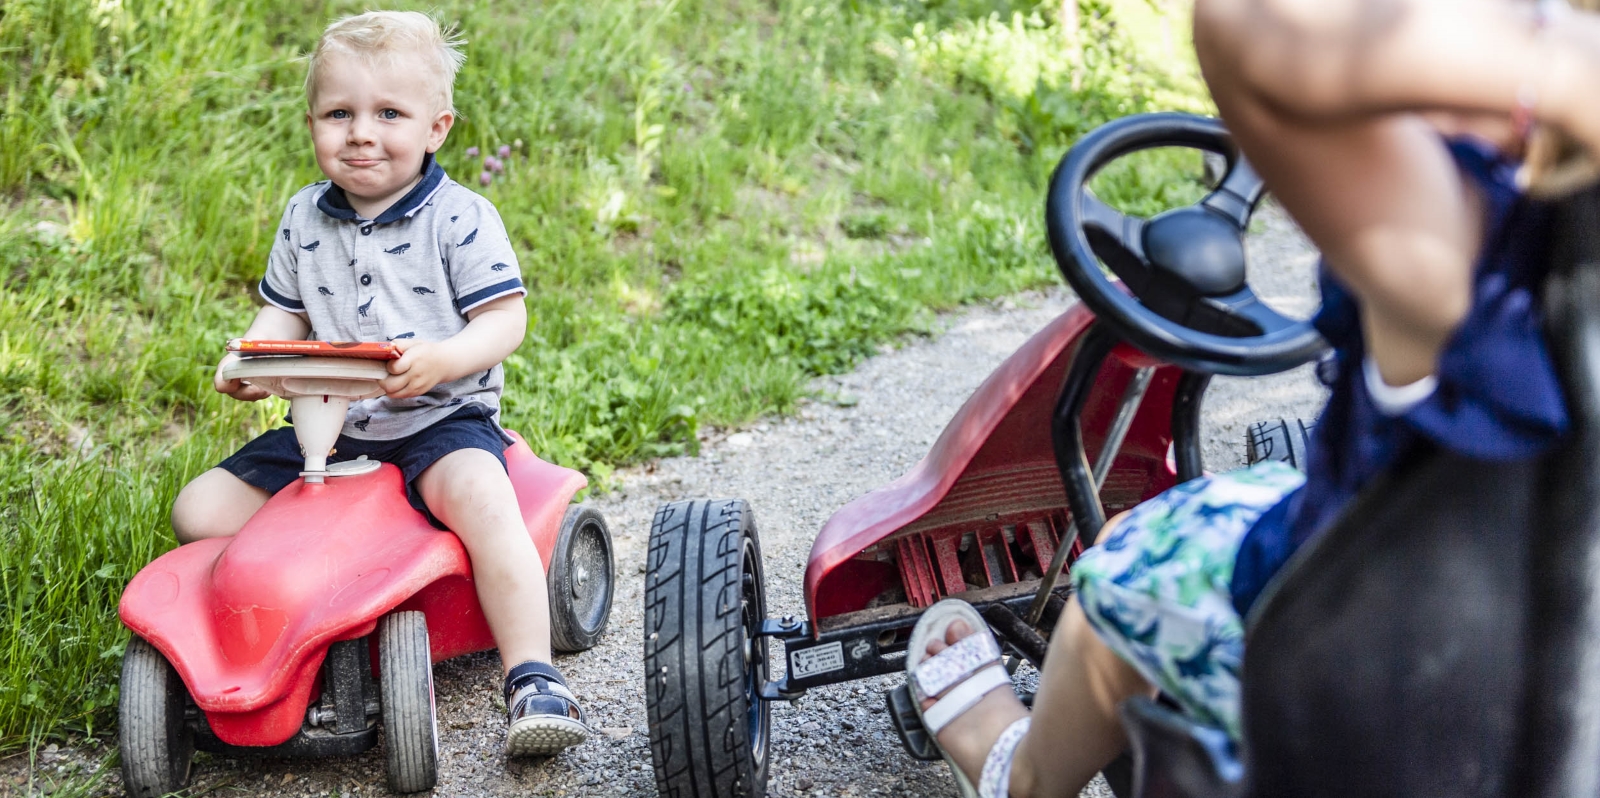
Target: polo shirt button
[366,279]
[367,230]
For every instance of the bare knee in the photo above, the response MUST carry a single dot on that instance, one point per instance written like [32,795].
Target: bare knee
[471,493]
[214,504]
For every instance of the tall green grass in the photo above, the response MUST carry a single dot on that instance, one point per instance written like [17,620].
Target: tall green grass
[713,200]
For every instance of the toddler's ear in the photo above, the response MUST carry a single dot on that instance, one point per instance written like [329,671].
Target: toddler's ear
[441,129]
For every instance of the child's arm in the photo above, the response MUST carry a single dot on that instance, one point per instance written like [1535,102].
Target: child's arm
[1326,97]
[494,330]
[271,323]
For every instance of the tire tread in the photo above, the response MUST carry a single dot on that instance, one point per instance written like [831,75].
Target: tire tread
[699,739]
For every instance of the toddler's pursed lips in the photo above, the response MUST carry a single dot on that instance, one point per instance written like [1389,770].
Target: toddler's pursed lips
[361,161]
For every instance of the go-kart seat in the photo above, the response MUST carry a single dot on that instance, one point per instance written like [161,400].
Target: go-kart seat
[1442,637]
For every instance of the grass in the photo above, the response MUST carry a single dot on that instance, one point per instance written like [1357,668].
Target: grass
[714,201]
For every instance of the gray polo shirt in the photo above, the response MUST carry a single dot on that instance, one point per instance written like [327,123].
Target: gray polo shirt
[413,272]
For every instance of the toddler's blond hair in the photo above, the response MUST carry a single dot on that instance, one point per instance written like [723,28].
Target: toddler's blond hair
[383,36]
[1556,164]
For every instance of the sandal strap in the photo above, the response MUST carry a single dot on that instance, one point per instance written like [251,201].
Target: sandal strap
[951,666]
[963,696]
[522,672]
[533,679]
[995,780]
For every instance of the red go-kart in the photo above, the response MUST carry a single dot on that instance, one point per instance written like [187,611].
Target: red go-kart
[992,513]
[325,613]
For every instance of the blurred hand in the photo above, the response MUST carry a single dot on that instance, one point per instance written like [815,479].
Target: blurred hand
[422,365]
[237,389]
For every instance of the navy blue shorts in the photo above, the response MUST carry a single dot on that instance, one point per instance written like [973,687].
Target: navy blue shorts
[272,461]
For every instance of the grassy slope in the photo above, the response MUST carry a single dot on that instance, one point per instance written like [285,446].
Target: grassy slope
[714,200]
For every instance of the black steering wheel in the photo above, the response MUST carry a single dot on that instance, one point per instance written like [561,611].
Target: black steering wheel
[1185,268]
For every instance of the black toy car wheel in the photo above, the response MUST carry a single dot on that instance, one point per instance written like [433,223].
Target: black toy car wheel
[155,739]
[410,723]
[1284,440]
[704,661]
[582,579]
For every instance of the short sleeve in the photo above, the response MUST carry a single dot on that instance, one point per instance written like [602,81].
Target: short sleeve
[478,255]
[281,285]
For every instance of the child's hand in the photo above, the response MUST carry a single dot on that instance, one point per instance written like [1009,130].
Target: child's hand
[237,389]
[422,365]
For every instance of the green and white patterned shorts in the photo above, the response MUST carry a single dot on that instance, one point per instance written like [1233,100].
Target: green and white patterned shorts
[1157,589]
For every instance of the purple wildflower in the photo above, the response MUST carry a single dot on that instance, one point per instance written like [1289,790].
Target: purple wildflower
[504,151]
[493,164]
[484,178]
[472,152]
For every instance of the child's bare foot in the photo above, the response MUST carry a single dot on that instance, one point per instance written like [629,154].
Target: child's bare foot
[971,735]
[965,699]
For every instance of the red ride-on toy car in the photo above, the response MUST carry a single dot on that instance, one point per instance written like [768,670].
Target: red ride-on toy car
[991,513]
[325,613]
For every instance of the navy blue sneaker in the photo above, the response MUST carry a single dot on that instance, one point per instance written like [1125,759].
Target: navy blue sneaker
[545,716]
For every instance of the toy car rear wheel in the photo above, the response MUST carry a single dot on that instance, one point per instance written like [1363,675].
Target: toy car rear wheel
[410,723]
[1285,440]
[582,580]
[155,738]
[705,664]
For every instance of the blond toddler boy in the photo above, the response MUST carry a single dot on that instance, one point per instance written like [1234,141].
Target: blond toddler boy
[390,248]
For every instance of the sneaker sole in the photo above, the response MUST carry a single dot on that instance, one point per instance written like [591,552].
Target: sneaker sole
[544,735]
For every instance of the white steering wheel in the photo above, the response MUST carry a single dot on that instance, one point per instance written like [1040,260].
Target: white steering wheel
[319,390]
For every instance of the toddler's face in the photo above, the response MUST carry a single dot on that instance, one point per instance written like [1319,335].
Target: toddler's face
[372,124]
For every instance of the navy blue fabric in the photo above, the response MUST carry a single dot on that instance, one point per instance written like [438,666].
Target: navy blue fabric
[527,671]
[273,460]
[1498,397]
[334,202]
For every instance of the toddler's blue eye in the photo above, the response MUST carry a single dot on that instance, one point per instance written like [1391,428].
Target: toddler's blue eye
[389,113]
[339,114]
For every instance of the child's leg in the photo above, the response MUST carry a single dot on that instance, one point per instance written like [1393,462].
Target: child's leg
[1075,711]
[469,491]
[214,504]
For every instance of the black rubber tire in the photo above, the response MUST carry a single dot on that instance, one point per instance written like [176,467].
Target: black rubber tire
[1284,440]
[704,597]
[156,741]
[405,683]
[582,579]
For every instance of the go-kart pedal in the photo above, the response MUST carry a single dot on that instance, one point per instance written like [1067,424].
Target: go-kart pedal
[908,724]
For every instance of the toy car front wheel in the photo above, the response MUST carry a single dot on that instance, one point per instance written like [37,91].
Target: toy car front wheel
[156,741]
[704,661]
[582,579]
[405,679]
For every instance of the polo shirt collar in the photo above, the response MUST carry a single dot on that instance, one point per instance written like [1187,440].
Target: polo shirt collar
[333,202]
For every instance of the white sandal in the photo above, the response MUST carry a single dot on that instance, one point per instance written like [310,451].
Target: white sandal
[957,678]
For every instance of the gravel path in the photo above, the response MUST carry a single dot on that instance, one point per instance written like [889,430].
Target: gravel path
[796,471]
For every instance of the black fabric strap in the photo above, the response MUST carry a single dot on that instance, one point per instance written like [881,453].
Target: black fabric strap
[526,672]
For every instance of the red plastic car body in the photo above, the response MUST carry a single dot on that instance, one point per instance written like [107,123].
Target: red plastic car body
[991,474]
[246,621]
